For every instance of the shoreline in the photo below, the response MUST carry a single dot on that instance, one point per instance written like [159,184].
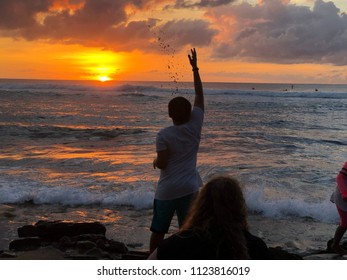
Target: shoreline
[302,236]
[92,244]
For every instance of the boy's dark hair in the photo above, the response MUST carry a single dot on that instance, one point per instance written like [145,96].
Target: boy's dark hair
[180,110]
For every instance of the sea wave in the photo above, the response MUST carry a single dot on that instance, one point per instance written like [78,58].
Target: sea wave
[34,85]
[30,192]
[277,94]
[322,211]
[46,131]
[128,88]
[142,198]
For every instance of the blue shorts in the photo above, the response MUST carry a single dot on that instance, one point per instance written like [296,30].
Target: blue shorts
[164,210]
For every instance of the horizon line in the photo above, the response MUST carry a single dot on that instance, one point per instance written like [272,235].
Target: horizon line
[159,81]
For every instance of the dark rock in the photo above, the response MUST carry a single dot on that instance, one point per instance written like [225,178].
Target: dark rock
[25,244]
[57,229]
[90,237]
[116,247]
[54,230]
[66,242]
[80,240]
[85,246]
[28,231]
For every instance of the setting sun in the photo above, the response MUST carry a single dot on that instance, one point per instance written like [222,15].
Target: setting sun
[102,66]
[104,78]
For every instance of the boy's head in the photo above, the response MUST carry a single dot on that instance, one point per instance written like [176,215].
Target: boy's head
[179,110]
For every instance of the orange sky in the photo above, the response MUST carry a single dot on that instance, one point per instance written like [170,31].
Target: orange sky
[298,41]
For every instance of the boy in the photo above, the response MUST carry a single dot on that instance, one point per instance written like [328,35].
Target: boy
[177,147]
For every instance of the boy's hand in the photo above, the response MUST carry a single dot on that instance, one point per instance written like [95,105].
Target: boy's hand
[193,59]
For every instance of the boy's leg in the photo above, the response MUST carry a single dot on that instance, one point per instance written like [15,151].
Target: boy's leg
[163,211]
[156,239]
[182,207]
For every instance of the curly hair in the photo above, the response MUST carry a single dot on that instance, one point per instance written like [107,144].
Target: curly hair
[219,213]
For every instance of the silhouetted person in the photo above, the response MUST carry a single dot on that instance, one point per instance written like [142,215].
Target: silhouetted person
[177,147]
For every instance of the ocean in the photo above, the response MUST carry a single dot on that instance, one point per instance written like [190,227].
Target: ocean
[83,151]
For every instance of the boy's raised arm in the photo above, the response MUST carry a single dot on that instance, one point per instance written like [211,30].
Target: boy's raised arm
[199,94]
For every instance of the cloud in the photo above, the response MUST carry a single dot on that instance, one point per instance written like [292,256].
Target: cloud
[276,31]
[201,3]
[184,32]
[279,32]
[19,13]
[99,23]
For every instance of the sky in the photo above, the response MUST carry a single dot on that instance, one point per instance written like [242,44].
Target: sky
[263,41]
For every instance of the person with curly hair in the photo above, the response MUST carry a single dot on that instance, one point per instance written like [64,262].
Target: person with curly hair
[216,227]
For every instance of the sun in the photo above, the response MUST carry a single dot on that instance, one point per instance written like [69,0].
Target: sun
[103,78]
[100,66]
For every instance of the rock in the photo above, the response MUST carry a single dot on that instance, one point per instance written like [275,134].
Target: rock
[90,237]
[54,230]
[84,241]
[115,247]
[66,242]
[25,244]
[28,231]
[58,229]
[84,246]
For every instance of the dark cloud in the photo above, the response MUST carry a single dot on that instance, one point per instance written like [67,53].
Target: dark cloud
[99,23]
[19,13]
[184,32]
[201,3]
[275,31]
[89,22]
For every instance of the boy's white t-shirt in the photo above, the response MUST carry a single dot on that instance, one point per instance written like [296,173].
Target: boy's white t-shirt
[180,177]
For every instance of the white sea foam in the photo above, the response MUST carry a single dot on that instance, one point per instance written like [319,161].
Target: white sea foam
[33,193]
[142,198]
[323,211]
